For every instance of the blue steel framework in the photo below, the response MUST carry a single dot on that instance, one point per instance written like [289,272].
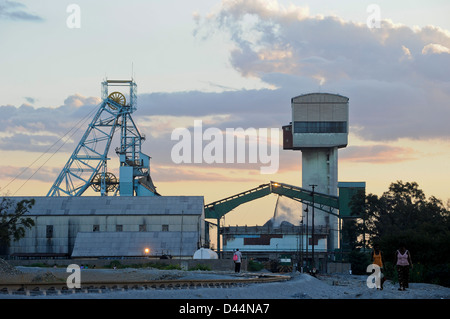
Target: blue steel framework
[88,164]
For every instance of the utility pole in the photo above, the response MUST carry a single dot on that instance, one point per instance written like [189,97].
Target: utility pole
[307,236]
[300,267]
[218,237]
[312,222]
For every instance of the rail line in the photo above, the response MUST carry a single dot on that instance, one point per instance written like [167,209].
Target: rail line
[59,288]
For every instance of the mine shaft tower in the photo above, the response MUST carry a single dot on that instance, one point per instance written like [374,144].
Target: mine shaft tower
[319,127]
[87,166]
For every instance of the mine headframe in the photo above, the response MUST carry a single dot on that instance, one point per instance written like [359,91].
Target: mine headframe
[87,166]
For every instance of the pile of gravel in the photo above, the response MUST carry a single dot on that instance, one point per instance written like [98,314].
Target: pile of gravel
[46,277]
[8,270]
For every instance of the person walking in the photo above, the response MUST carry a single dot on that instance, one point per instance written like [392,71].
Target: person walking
[377,259]
[403,262]
[237,258]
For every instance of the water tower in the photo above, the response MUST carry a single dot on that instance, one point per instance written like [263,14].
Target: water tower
[318,129]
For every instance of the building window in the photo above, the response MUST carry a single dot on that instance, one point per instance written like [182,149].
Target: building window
[320,127]
[96,228]
[119,227]
[143,227]
[49,231]
[165,227]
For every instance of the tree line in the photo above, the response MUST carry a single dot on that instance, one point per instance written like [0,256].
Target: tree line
[401,215]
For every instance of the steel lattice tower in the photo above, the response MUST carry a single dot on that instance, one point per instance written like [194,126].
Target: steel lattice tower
[88,164]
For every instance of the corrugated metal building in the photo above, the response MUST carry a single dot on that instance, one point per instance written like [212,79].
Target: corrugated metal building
[113,226]
[135,244]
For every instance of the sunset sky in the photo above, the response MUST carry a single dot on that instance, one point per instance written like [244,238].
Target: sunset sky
[231,64]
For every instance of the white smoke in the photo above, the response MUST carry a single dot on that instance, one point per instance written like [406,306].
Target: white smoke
[287,210]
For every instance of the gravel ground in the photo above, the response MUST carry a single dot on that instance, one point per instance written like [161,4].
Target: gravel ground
[300,286]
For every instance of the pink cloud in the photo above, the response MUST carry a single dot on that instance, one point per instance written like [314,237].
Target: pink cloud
[380,154]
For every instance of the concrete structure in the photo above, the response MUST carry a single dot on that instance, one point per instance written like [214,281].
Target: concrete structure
[113,226]
[318,129]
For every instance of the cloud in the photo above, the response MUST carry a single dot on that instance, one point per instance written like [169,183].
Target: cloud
[177,173]
[14,10]
[434,48]
[35,129]
[397,84]
[198,104]
[45,174]
[381,154]
[78,100]
[396,77]
[13,178]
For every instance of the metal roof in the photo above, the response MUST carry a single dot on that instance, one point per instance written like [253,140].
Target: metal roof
[116,205]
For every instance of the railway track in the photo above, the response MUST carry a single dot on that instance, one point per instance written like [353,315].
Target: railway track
[59,288]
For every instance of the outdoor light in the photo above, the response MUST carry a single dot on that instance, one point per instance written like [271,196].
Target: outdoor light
[147,251]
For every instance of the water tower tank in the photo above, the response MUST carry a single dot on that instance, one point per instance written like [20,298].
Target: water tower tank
[319,120]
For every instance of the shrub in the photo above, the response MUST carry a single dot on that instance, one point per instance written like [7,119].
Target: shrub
[359,262]
[439,275]
[170,267]
[201,267]
[254,265]
[115,263]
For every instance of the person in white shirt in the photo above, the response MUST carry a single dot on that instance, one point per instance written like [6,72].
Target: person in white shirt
[237,256]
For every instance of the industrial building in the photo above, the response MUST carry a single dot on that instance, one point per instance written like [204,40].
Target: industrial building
[113,226]
[267,240]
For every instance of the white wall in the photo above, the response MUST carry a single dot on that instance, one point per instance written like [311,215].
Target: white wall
[287,243]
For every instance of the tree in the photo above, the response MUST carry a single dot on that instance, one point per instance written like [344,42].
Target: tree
[403,214]
[12,221]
